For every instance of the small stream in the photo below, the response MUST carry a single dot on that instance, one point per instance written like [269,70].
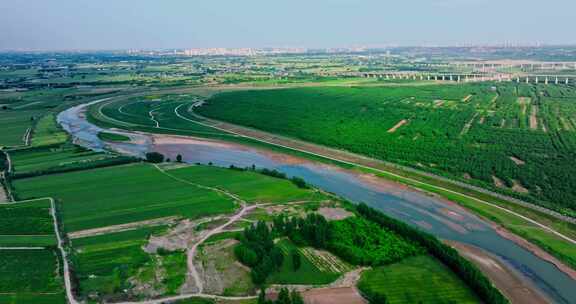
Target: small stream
[445,220]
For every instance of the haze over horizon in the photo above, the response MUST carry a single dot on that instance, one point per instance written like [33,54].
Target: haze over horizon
[147,24]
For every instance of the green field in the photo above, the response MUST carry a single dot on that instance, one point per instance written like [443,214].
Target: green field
[142,113]
[43,158]
[47,132]
[420,279]
[307,274]
[122,194]
[104,264]
[14,125]
[26,224]
[112,137]
[250,186]
[516,139]
[28,276]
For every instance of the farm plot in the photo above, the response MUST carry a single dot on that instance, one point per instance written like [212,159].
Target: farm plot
[26,224]
[250,186]
[314,269]
[38,159]
[122,194]
[107,264]
[420,279]
[15,125]
[30,276]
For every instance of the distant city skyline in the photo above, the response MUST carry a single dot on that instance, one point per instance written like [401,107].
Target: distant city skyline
[185,24]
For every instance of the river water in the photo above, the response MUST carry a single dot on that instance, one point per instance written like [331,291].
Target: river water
[434,215]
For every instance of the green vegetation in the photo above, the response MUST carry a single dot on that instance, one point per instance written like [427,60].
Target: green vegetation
[354,239]
[48,159]
[47,132]
[106,136]
[30,276]
[15,125]
[306,273]
[250,186]
[27,224]
[26,218]
[420,279]
[104,264]
[122,194]
[464,269]
[474,133]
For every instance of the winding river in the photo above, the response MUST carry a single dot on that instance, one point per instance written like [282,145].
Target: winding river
[443,219]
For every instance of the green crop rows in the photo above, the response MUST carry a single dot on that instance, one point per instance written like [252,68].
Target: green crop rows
[420,279]
[122,194]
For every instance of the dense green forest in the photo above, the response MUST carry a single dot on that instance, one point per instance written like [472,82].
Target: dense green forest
[518,139]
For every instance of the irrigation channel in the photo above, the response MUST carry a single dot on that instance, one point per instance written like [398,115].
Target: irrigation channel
[435,215]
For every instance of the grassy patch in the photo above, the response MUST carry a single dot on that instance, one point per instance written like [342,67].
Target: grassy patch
[47,132]
[252,187]
[112,137]
[308,273]
[420,279]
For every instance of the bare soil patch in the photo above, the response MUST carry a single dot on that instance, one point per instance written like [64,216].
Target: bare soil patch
[397,126]
[219,271]
[534,118]
[124,227]
[465,99]
[342,295]
[335,214]
[517,161]
[524,102]
[518,187]
[498,182]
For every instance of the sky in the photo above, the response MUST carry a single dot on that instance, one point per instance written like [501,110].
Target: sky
[165,24]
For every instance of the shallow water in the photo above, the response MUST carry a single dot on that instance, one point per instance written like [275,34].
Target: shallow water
[434,215]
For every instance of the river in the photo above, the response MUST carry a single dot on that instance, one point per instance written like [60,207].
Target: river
[432,214]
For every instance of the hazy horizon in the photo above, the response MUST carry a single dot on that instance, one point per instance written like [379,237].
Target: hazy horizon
[147,24]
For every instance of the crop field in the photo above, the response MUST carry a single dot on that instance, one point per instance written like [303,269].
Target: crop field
[47,132]
[27,224]
[308,273]
[250,186]
[153,113]
[518,139]
[420,279]
[43,158]
[30,276]
[107,264]
[14,125]
[122,194]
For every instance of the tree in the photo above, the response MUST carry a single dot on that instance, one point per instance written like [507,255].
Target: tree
[296,259]
[179,158]
[284,297]
[262,296]
[296,297]
[154,157]
[277,256]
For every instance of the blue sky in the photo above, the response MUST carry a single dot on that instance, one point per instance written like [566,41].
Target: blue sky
[120,24]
